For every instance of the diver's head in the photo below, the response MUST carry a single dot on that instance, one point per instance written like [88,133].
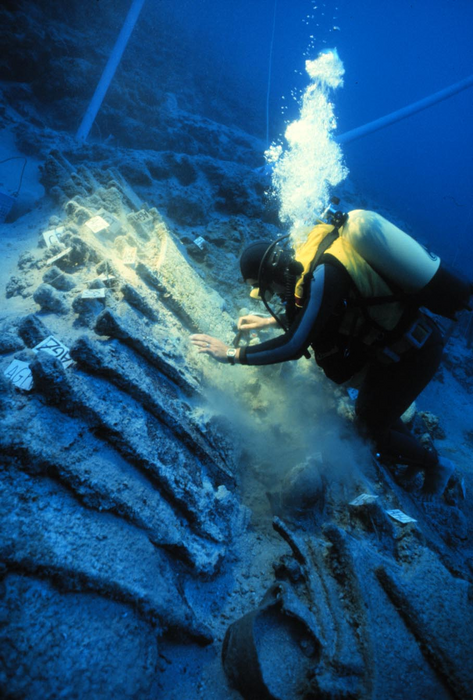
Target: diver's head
[266,266]
[250,260]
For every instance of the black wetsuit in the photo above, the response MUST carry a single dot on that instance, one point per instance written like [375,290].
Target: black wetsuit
[387,390]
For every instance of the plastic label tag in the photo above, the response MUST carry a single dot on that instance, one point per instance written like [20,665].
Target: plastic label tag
[97,224]
[58,256]
[52,236]
[363,499]
[129,256]
[106,278]
[400,516]
[56,348]
[142,219]
[200,242]
[20,374]
[93,294]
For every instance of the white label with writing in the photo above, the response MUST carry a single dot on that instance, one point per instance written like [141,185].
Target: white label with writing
[20,374]
[362,499]
[97,224]
[200,242]
[106,278]
[129,255]
[58,256]
[93,294]
[56,348]
[400,516]
[52,236]
[144,218]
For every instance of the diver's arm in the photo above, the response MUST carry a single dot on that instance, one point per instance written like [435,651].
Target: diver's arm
[214,347]
[255,322]
[327,289]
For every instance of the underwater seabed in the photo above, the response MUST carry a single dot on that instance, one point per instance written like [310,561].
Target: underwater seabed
[176,528]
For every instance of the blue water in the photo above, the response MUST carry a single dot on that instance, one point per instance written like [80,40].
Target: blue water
[394,54]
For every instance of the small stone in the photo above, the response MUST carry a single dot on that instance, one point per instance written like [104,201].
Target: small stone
[32,330]
[9,342]
[58,279]
[50,300]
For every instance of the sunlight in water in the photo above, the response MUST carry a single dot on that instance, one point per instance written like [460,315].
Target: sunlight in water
[311,163]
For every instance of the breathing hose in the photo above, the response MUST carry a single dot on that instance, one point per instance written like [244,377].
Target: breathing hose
[15,194]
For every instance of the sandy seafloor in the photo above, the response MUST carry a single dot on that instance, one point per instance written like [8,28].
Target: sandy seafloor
[412,630]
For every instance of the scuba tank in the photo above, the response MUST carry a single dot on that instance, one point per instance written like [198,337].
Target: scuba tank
[394,255]
[414,275]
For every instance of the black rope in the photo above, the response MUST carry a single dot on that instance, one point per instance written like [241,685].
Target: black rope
[15,194]
[262,283]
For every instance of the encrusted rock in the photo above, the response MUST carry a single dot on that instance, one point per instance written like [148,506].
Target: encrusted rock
[101,552]
[138,436]
[71,625]
[101,479]
[78,213]
[167,296]
[19,286]
[6,390]
[134,335]
[88,309]
[82,253]
[182,168]
[32,330]
[51,300]
[301,490]
[26,260]
[131,376]
[136,173]
[50,378]
[58,279]
[187,210]
[133,297]
[9,342]
[432,424]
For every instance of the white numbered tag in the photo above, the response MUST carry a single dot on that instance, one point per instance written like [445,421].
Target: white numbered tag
[129,255]
[362,499]
[400,516]
[56,348]
[20,374]
[52,236]
[200,242]
[58,256]
[93,294]
[106,278]
[97,224]
[142,218]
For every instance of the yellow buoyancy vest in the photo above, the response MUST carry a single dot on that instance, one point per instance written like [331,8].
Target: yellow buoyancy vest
[368,282]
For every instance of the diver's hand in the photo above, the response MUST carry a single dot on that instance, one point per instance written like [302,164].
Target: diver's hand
[210,346]
[251,322]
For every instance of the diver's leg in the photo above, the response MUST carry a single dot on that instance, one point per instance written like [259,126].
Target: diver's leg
[386,393]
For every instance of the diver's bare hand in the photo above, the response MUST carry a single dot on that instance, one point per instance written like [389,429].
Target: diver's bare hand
[252,322]
[210,346]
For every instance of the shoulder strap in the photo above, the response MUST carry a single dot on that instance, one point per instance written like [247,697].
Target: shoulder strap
[326,243]
[362,303]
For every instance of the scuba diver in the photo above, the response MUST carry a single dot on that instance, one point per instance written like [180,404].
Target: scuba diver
[356,292]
